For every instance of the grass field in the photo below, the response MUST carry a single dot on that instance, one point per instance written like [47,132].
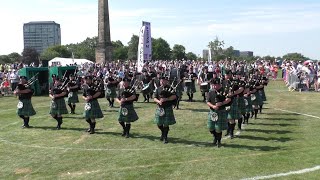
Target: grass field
[277,142]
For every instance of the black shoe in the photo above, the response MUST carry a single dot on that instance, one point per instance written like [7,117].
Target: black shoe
[161,138]
[215,142]
[165,141]
[219,144]
[58,127]
[228,134]
[123,133]
[88,130]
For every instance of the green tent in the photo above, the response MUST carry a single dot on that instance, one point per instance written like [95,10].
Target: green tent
[41,85]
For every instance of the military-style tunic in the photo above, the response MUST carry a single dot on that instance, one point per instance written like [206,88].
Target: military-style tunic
[192,87]
[24,107]
[92,108]
[73,93]
[164,114]
[58,105]
[217,119]
[126,111]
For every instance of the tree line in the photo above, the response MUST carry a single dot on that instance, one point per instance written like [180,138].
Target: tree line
[161,50]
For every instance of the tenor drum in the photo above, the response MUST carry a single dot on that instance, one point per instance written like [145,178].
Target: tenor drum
[204,87]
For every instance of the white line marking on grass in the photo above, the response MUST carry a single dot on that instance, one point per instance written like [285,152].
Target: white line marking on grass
[308,115]
[302,171]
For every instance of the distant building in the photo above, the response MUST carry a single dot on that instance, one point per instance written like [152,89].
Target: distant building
[205,54]
[246,53]
[236,53]
[41,34]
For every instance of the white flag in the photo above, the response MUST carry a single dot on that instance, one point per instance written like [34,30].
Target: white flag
[141,56]
[147,46]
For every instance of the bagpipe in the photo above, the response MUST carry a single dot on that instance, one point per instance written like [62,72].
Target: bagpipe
[30,82]
[97,86]
[126,93]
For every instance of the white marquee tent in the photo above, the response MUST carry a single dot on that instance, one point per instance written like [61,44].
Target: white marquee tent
[67,61]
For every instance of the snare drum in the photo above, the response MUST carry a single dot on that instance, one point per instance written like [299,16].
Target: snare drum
[188,82]
[146,89]
[204,87]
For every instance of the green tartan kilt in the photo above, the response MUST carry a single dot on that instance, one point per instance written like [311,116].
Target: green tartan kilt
[167,119]
[221,123]
[94,112]
[58,107]
[132,115]
[72,97]
[191,88]
[263,95]
[249,106]
[111,92]
[258,100]
[234,112]
[27,109]
[241,105]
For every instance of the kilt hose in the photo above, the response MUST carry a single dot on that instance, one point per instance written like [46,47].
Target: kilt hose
[111,92]
[58,107]
[72,98]
[241,105]
[27,109]
[94,111]
[221,123]
[130,117]
[234,112]
[167,119]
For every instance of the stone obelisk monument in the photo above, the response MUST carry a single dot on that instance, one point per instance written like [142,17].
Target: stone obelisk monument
[104,48]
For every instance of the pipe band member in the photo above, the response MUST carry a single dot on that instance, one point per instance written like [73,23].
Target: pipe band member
[164,116]
[73,87]
[127,114]
[92,108]
[24,107]
[58,105]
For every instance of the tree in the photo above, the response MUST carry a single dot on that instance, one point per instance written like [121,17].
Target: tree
[229,52]
[178,52]
[119,51]
[56,51]
[85,49]
[133,47]
[30,55]
[4,59]
[15,57]
[295,57]
[269,58]
[191,56]
[161,49]
[216,48]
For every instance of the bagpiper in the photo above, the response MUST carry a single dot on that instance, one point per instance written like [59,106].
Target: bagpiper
[73,87]
[58,105]
[127,114]
[24,107]
[217,116]
[164,116]
[92,108]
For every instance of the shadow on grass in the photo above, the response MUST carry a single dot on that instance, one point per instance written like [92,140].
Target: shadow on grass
[62,128]
[281,125]
[196,110]
[280,119]
[256,138]
[283,114]
[269,131]
[260,148]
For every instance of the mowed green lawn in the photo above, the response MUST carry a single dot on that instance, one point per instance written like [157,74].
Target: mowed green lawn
[277,142]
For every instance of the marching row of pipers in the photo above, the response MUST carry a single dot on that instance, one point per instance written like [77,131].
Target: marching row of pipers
[231,97]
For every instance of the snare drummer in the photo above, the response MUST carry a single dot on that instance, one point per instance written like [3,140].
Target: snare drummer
[204,84]
[127,114]
[147,80]
[190,83]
